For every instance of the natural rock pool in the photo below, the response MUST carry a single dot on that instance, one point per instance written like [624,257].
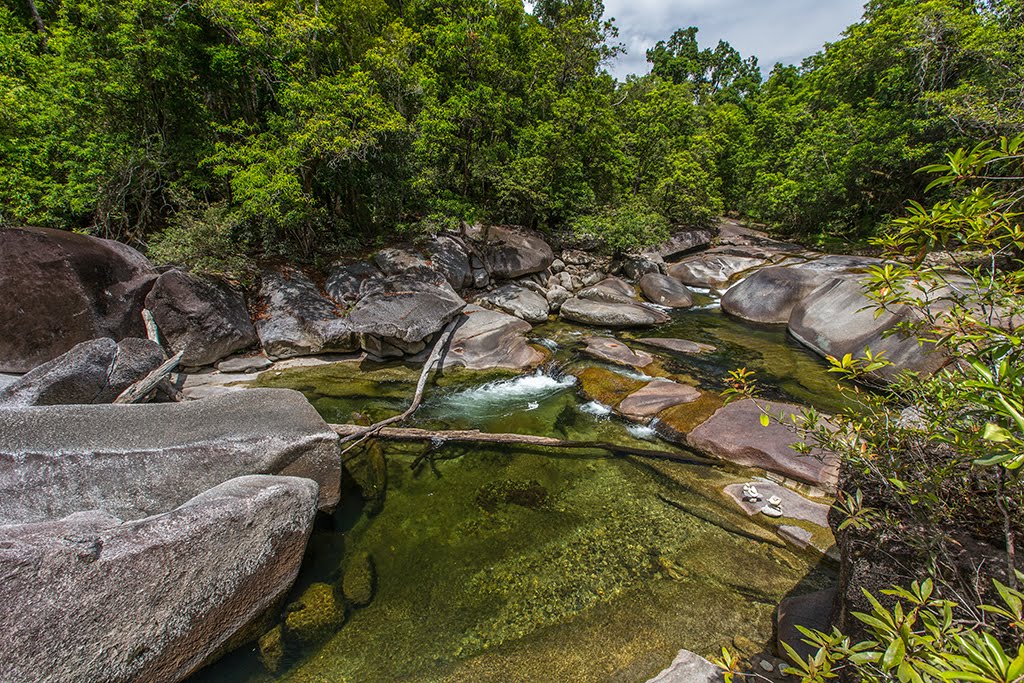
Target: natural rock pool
[530,565]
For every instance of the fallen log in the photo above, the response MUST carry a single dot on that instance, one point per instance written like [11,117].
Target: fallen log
[140,391]
[360,434]
[526,440]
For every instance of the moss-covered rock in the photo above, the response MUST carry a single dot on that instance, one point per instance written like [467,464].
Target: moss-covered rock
[360,579]
[676,422]
[315,616]
[271,646]
[605,386]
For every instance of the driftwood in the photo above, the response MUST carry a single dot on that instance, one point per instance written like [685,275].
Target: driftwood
[138,392]
[152,331]
[526,440]
[360,434]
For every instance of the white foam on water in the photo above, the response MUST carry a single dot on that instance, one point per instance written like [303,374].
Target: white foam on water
[596,408]
[506,396]
[629,372]
[549,344]
[645,432]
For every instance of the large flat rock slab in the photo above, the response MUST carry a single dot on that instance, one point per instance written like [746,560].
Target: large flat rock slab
[734,433]
[657,396]
[614,351]
[605,314]
[92,598]
[684,346]
[139,460]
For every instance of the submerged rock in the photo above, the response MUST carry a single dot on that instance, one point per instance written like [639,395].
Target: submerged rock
[205,319]
[314,617]
[734,433]
[138,460]
[359,579]
[95,371]
[610,314]
[488,340]
[59,288]
[92,598]
[524,493]
[688,667]
[677,345]
[665,290]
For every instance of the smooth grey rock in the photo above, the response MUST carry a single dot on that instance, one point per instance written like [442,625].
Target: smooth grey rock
[59,288]
[794,506]
[95,371]
[8,379]
[139,460]
[655,397]
[678,245]
[480,278]
[448,257]
[609,314]
[812,610]
[557,266]
[677,345]
[205,319]
[400,313]
[556,296]
[592,278]
[401,260]
[610,290]
[837,318]
[345,280]
[92,598]
[711,269]
[488,339]
[521,302]
[688,667]
[244,364]
[635,266]
[614,351]
[734,433]
[665,290]
[299,320]
[769,295]
[510,253]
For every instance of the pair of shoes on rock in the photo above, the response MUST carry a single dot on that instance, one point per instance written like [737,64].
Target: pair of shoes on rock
[750,494]
[773,508]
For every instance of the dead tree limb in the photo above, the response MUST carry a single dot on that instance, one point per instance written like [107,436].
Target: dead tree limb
[138,392]
[526,440]
[364,433]
[152,331]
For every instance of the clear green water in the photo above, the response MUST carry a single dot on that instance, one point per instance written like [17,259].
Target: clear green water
[592,569]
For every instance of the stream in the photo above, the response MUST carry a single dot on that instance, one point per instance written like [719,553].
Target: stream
[495,564]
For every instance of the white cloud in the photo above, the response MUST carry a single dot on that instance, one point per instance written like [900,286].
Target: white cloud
[775,30]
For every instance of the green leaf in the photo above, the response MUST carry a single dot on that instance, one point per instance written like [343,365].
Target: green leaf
[995,433]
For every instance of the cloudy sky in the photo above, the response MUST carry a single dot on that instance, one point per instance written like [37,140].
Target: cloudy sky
[775,30]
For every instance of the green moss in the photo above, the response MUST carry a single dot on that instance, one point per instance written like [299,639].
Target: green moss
[525,493]
[605,386]
[680,420]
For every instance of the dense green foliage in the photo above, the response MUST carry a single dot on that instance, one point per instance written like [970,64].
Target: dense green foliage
[298,128]
[934,463]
